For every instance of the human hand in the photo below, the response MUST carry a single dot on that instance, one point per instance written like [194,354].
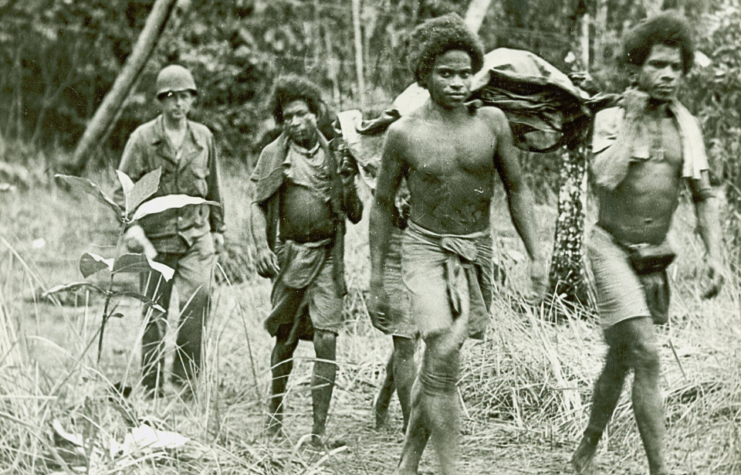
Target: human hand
[136,241]
[378,308]
[266,263]
[347,171]
[218,242]
[635,102]
[538,279]
[714,279]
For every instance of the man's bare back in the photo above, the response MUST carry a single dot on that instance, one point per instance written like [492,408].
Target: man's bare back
[450,166]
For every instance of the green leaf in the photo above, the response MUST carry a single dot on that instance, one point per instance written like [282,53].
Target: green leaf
[92,263]
[143,189]
[72,288]
[127,185]
[163,203]
[87,186]
[137,263]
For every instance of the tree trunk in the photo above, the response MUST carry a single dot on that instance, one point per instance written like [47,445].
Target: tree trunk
[584,41]
[122,86]
[600,25]
[359,67]
[567,276]
[475,14]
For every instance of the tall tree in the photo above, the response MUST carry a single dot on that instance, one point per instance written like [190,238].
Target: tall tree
[567,275]
[113,101]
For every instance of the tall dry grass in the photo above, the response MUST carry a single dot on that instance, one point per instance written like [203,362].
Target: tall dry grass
[529,382]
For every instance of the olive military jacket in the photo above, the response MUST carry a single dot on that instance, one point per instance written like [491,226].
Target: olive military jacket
[193,171]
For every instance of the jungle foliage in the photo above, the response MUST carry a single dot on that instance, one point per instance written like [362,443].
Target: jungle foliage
[58,58]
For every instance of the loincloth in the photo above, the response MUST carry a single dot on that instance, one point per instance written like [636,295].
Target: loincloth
[448,277]
[621,293]
[304,295]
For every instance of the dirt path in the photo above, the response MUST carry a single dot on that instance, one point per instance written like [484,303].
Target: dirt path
[488,450]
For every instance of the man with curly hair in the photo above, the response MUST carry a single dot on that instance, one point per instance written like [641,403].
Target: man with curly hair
[450,154]
[643,152]
[303,194]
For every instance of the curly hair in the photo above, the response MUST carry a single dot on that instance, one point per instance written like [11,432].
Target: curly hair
[291,88]
[438,36]
[668,28]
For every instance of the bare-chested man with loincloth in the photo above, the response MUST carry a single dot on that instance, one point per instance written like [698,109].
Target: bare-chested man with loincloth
[644,151]
[450,155]
[303,194]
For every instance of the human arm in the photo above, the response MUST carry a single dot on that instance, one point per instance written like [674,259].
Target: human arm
[708,225]
[381,213]
[520,200]
[266,260]
[615,133]
[351,203]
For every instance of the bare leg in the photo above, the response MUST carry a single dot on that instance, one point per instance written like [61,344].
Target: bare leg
[632,346]
[417,433]
[400,376]
[647,404]
[604,400]
[404,371]
[381,407]
[281,361]
[435,411]
[322,381]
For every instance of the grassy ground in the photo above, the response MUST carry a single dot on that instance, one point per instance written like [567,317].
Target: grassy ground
[525,390]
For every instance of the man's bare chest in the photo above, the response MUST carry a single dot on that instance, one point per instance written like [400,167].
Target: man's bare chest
[441,152]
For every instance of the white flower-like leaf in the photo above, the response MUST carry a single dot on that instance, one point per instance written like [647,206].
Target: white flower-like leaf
[163,203]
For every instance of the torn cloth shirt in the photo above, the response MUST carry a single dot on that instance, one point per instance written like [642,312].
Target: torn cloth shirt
[268,177]
[309,168]
[609,172]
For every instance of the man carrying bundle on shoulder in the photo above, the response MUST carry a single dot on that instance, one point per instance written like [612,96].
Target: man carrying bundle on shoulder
[303,195]
[643,152]
[450,155]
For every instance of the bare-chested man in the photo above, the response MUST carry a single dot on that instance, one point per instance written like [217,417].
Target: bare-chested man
[302,197]
[644,151]
[450,155]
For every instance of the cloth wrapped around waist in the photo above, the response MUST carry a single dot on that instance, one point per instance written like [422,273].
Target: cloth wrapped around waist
[461,264]
[631,281]
[301,262]
[301,265]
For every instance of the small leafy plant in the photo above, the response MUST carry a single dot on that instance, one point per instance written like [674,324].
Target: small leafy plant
[136,206]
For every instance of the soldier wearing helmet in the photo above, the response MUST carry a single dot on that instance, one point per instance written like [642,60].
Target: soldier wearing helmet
[185,239]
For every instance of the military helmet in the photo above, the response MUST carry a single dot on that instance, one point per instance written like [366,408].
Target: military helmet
[175,78]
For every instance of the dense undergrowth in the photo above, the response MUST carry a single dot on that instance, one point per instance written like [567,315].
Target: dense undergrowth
[529,382]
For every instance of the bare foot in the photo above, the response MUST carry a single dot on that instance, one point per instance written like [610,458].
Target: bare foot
[318,442]
[583,459]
